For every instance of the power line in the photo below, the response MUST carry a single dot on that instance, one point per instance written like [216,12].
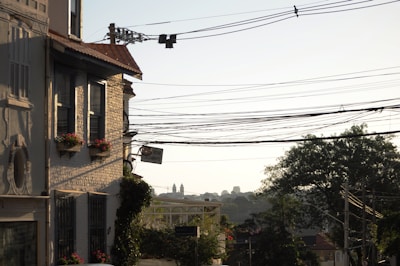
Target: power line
[216,16]
[246,87]
[249,24]
[272,141]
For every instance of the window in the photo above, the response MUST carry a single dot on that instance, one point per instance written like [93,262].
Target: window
[96,111]
[65,224]
[75,17]
[97,223]
[65,88]
[18,243]
[19,62]
[19,168]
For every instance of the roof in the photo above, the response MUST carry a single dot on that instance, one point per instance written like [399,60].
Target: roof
[188,202]
[114,54]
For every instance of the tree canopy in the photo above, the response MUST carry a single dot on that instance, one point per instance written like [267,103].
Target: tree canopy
[270,237]
[316,169]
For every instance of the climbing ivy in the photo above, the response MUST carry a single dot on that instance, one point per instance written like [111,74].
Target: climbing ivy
[134,195]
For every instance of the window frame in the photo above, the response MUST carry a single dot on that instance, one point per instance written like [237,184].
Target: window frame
[19,237]
[97,223]
[65,220]
[99,114]
[74,26]
[19,62]
[70,106]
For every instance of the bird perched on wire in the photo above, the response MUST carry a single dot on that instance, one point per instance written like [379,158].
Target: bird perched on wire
[296,11]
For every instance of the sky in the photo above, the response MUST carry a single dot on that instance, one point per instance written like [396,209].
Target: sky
[244,78]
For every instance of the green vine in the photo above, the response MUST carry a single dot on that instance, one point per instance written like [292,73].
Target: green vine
[135,194]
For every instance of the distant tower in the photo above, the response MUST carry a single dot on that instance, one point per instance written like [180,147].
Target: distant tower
[236,189]
[182,190]
[174,189]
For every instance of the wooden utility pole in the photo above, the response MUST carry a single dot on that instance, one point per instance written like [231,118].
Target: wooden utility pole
[112,33]
[346,223]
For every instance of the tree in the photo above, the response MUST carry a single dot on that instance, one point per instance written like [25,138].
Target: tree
[165,244]
[316,170]
[388,235]
[271,237]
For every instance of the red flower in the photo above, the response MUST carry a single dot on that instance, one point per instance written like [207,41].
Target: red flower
[102,144]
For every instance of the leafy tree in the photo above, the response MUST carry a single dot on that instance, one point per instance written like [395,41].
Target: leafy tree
[165,244]
[388,234]
[316,170]
[272,237]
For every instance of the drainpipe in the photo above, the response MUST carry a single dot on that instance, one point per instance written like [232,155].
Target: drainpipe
[47,119]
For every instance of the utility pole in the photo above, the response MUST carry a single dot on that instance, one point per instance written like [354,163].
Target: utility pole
[346,223]
[127,36]
[250,251]
[364,223]
[111,29]
[373,252]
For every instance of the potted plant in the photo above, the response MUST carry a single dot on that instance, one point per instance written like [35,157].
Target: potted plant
[100,257]
[69,142]
[100,148]
[74,258]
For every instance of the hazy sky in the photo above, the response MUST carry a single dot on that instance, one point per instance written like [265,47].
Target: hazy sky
[251,71]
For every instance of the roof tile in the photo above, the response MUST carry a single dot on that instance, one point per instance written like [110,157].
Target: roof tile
[115,54]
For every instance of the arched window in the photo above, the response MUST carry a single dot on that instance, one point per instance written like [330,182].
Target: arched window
[19,168]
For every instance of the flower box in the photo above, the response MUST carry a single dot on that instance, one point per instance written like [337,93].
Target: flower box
[96,152]
[69,143]
[63,148]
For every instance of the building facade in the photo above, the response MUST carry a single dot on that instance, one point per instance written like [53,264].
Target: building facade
[62,127]
[23,196]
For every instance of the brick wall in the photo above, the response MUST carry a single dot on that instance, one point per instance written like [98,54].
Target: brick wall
[79,172]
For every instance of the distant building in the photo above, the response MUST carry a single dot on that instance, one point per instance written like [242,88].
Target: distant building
[236,189]
[167,213]
[224,192]
[326,251]
[175,194]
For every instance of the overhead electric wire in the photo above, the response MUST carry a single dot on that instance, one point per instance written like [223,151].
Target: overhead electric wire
[351,9]
[214,143]
[250,87]
[294,116]
[360,204]
[334,7]
[220,124]
[217,16]
[262,21]
[259,118]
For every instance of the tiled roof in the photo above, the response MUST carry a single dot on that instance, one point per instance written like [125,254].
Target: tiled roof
[117,55]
